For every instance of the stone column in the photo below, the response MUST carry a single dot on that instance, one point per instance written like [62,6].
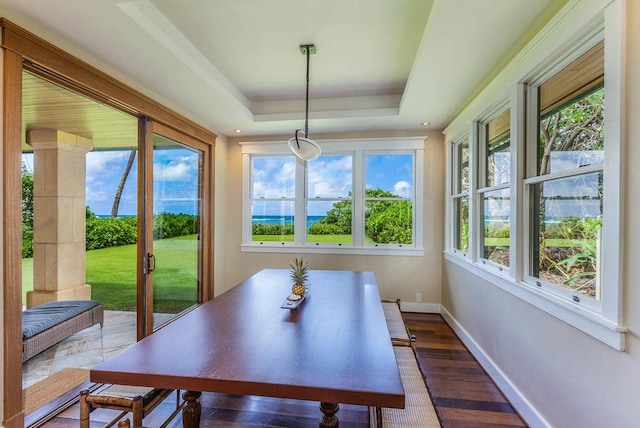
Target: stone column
[59,217]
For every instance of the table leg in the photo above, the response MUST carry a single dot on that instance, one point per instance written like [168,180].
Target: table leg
[329,418]
[192,409]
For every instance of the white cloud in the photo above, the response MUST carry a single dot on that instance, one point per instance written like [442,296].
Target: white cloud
[101,164]
[174,171]
[402,189]
[274,178]
[330,177]
[98,196]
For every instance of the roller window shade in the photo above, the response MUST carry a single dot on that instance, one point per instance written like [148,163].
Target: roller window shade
[499,127]
[582,75]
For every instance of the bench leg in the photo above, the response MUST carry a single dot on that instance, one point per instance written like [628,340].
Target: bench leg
[137,411]
[84,409]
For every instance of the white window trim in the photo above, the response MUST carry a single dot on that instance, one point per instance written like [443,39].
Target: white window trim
[479,192]
[337,147]
[587,321]
[534,64]
[455,193]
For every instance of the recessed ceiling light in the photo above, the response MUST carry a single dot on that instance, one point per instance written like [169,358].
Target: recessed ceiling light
[237,131]
[426,123]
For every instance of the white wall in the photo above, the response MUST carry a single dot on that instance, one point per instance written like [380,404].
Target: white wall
[554,373]
[397,276]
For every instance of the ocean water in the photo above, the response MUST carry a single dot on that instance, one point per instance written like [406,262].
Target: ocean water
[287,219]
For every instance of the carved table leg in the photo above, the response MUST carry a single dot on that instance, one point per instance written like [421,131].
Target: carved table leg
[192,409]
[329,418]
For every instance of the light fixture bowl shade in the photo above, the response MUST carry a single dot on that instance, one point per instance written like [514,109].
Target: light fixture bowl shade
[304,148]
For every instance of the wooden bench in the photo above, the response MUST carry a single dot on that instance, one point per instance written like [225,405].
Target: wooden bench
[50,323]
[398,330]
[419,411]
[139,401]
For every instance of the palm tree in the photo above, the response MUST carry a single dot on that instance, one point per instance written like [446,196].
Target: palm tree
[123,180]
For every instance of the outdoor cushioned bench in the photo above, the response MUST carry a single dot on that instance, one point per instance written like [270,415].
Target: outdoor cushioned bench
[48,324]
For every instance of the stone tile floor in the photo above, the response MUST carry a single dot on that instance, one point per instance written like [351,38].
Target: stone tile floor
[86,348]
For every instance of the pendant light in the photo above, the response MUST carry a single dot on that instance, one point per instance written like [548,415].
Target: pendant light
[304,147]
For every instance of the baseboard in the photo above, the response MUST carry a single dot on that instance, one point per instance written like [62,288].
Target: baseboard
[515,397]
[426,308]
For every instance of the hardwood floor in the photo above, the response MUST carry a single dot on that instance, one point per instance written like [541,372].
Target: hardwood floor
[463,394]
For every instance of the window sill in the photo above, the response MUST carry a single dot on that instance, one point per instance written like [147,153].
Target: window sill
[291,249]
[584,320]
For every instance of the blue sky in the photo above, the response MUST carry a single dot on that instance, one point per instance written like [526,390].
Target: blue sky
[176,190]
[175,186]
[329,177]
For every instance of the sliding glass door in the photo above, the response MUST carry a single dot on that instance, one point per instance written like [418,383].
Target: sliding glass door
[171,251]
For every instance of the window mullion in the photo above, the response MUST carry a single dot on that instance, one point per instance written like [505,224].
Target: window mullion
[475,212]
[519,240]
[357,204]
[300,207]
[529,163]
[448,211]
[479,139]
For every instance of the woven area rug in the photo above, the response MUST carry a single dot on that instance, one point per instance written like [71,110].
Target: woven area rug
[41,393]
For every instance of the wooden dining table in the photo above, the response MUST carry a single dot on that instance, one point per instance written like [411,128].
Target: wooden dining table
[333,348]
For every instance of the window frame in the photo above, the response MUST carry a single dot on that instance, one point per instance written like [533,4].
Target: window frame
[358,149]
[272,199]
[484,188]
[307,199]
[457,194]
[532,177]
[536,64]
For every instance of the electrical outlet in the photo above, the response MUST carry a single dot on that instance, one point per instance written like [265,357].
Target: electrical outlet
[418,297]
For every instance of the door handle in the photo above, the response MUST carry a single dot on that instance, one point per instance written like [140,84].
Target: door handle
[149,264]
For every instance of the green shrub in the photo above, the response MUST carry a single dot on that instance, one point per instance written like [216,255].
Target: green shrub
[110,232]
[272,229]
[27,242]
[322,228]
[493,231]
[388,227]
[166,225]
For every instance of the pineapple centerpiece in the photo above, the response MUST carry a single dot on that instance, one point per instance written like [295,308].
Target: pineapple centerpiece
[299,274]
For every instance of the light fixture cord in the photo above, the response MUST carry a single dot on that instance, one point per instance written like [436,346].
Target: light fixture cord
[306,109]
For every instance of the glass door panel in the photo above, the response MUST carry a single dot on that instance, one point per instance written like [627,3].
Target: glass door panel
[177,203]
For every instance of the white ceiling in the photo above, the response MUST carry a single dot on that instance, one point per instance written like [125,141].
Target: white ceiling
[236,64]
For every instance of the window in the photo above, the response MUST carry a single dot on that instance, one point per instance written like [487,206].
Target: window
[388,199]
[330,199]
[357,197]
[272,198]
[494,192]
[565,184]
[546,178]
[460,196]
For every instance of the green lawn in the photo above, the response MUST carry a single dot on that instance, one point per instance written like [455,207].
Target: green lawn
[310,238]
[504,242]
[111,272]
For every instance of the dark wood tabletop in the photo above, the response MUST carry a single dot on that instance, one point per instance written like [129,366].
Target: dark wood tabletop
[334,348]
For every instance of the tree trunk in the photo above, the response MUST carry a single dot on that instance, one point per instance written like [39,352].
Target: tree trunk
[123,180]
